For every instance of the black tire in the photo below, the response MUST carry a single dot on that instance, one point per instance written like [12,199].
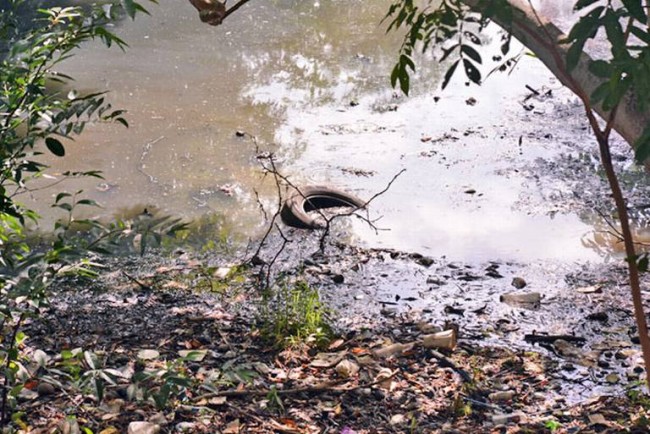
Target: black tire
[314,197]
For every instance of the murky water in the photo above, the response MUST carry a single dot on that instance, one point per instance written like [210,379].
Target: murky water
[310,81]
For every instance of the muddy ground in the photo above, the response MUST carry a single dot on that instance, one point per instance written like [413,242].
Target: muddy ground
[143,313]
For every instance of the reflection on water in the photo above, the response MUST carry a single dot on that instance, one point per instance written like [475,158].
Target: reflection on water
[310,81]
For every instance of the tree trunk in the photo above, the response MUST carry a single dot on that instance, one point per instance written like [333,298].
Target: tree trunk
[543,38]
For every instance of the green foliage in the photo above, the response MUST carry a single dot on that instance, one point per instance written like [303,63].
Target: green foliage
[160,385]
[275,403]
[626,27]
[293,315]
[552,425]
[452,32]
[221,280]
[36,117]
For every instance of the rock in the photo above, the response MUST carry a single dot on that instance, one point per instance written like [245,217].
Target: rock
[240,133]
[45,389]
[397,419]
[346,368]
[432,280]
[625,354]
[388,311]
[186,427]
[566,349]
[502,419]
[612,378]
[338,278]
[143,428]
[505,395]
[425,261]
[518,283]
[539,396]
[158,419]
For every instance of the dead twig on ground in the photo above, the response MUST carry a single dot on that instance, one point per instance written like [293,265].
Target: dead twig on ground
[328,386]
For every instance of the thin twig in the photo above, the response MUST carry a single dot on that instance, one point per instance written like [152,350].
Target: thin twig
[328,386]
[137,282]
[371,223]
[234,8]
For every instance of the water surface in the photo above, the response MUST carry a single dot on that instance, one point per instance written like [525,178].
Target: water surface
[309,80]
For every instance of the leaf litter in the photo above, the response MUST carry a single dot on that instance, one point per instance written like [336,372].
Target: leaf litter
[171,359]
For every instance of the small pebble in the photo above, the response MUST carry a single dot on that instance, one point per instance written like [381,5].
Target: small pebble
[45,389]
[612,379]
[518,283]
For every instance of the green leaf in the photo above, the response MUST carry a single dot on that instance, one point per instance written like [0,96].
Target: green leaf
[642,146]
[587,26]
[61,196]
[581,4]
[406,61]
[471,52]
[472,37]
[472,72]
[394,75]
[573,55]
[615,33]
[642,34]
[449,73]
[635,8]
[505,47]
[55,146]
[642,264]
[88,202]
[600,93]
[404,81]
[601,68]
[193,355]
[130,7]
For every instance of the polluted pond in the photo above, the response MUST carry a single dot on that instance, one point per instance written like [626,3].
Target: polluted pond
[483,292]
[342,334]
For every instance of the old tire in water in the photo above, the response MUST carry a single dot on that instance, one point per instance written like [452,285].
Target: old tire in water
[295,210]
